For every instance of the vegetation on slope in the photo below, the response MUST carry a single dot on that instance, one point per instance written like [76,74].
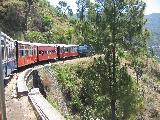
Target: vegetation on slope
[35,21]
[87,95]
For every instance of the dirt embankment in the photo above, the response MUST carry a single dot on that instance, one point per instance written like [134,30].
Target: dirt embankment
[17,108]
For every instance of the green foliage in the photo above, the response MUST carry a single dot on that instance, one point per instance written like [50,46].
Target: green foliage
[119,27]
[36,18]
[35,36]
[82,5]
[70,86]
[92,12]
[62,9]
[47,23]
[11,17]
[51,100]
[86,87]
[99,85]
[42,3]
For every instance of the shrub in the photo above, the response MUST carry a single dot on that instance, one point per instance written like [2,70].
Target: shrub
[35,36]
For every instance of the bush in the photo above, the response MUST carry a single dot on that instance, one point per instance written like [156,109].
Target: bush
[35,36]
[47,23]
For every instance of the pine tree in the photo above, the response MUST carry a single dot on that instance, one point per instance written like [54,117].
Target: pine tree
[63,8]
[120,23]
[28,9]
[82,5]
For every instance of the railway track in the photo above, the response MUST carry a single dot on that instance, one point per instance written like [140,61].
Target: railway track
[18,106]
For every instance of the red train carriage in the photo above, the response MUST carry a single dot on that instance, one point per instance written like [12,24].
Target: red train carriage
[73,50]
[60,50]
[67,51]
[47,52]
[26,53]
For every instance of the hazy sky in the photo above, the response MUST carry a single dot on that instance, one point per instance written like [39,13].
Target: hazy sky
[153,6]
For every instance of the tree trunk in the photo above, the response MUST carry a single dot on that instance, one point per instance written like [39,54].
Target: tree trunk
[113,109]
[82,14]
[1,2]
[26,15]
[113,95]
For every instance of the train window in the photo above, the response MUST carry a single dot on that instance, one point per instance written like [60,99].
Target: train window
[13,51]
[2,52]
[9,52]
[40,52]
[35,51]
[68,49]
[21,52]
[32,52]
[53,51]
[3,47]
[62,51]
[71,49]
[74,49]
[26,52]
[6,53]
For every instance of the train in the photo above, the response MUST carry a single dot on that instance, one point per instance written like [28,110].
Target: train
[17,54]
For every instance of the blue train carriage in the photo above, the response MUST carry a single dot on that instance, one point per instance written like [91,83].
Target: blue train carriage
[86,50]
[8,48]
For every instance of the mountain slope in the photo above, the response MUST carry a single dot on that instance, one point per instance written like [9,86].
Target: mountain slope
[43,22]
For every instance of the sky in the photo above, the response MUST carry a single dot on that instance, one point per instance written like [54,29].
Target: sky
[153,6]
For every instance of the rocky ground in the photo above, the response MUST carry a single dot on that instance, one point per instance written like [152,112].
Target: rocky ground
[151,95]
[17,108]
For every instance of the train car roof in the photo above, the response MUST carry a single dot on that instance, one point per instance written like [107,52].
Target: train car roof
[24,42]
[6,36]
[41,44]
[61,45]
[71,45]
[65,45]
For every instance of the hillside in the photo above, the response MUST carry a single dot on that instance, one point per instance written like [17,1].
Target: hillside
[37,22]
[83,101]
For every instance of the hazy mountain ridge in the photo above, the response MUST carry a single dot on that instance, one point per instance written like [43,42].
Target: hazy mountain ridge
[153,24]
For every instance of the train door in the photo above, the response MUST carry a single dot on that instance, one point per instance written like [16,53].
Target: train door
[21,55]
[10,56]
[3,47]
[6,57]
[58,52]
